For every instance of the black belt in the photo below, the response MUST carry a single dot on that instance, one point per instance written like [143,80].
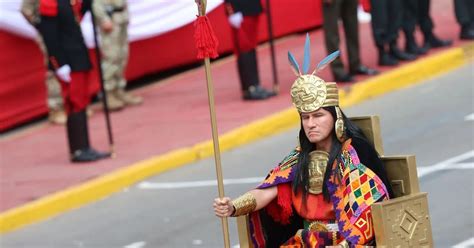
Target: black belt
[119,9]
[110,10]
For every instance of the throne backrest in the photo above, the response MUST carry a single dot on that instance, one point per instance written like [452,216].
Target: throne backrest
[401,170]
[370,126]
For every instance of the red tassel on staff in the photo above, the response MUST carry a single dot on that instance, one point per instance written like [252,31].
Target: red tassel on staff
[205,39]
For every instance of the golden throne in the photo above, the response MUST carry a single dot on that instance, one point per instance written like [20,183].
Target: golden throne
[403,221]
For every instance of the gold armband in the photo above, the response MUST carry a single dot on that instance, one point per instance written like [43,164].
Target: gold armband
[244,204]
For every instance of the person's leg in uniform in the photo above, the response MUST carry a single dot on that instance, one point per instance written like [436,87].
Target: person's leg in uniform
[56,114]
[470,7]
[348,10]
[245,42]
[426,26]
[111,66]
[76,98]
[331,14]
[379,11]
[122,44]
[410,17]
[395,17]
[464,10]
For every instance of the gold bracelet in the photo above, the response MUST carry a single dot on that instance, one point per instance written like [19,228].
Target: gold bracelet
[244,204]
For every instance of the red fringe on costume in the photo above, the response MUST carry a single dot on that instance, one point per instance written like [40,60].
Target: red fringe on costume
[280,209]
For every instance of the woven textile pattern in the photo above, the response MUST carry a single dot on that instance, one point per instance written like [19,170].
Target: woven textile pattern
[353,195]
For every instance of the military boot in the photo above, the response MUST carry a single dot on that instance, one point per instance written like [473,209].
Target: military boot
[113,102]
[385,58]
[249,77]
[412,47]
[128,98]
[431,41]
[400,55]
[78,139]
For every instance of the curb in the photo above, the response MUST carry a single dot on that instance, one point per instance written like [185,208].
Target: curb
[96,189]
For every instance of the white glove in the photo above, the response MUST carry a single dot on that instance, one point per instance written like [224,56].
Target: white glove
[64,73]
[236,19]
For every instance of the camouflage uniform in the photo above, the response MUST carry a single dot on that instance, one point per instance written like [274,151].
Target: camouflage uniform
[30,9]
[114,47]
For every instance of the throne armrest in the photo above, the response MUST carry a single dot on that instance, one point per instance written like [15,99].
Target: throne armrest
[243,230]
[403,222]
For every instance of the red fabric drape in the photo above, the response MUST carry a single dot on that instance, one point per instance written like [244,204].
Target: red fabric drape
[22,87]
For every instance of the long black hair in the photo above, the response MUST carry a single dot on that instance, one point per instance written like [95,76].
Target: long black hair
[366,152]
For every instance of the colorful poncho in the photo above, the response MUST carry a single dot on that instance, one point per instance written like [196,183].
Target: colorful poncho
[351,196]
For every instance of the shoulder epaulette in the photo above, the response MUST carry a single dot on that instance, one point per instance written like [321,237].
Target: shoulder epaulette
[48,7]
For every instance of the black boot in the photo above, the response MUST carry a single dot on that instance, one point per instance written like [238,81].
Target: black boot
[345,78]
[398,54]
[78,138]
[249,77]
[412,47]
[431,41]
[385,58]
[257,93]
[467,32]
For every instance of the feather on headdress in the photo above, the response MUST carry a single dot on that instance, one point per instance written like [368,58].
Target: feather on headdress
[310,92]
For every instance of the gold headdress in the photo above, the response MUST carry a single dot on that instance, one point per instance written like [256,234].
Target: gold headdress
[309,92]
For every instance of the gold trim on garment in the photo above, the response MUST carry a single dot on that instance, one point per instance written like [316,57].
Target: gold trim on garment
[318,226]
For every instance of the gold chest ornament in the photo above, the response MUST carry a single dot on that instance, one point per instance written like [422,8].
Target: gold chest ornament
[317,169]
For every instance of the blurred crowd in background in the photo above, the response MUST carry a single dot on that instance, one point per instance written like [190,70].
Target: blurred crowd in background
[68,62]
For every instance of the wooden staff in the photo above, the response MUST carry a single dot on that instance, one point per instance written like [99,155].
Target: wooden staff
[206,41]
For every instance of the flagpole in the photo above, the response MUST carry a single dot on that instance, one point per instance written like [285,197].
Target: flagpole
[276,84]
[215,138]
[98,56]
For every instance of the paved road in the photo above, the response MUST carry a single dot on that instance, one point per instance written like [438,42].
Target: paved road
[433,120]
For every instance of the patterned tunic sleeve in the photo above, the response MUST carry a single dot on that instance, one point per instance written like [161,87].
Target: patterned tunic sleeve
[283,173]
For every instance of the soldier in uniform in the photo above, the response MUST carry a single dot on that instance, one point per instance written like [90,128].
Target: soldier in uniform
[243,16]
[346,10]
[387,20]
[30,10]
[112,19]
[418,12]
[464,10]
[69,59]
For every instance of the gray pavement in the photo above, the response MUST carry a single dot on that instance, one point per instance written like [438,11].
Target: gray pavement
[432,120]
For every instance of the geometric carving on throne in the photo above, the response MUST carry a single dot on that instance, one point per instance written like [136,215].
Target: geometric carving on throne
[408,223]
[405,223]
